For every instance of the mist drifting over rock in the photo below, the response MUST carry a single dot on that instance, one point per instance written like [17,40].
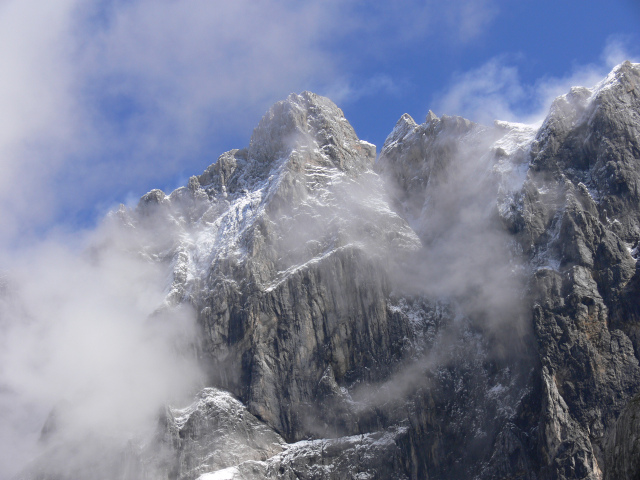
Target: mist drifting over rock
[464,305]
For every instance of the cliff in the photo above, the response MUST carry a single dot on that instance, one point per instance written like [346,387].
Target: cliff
[465,306]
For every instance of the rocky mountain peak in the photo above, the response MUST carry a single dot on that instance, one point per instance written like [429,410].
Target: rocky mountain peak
[308,122]
[303,130]
[415,155]
[467,310]
[627,75]
[591,136]
[404,126]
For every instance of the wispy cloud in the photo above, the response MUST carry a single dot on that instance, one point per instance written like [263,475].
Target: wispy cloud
[346,90]
[98,98]
[496,91]
[469,19]
[489,92]
[78,333]
[37,109]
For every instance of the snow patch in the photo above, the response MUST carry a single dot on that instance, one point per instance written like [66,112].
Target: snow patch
[511,151]
[208,396]
[225,474]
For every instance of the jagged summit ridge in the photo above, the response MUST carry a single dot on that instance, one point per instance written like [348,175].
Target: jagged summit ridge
[508,350]
[311,121]
[303,157]
[305,128]
[275,234]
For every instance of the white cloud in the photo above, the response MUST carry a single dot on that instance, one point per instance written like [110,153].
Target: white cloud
[76,333]
[98,97]
[37,109]
[484,94]
[495,90]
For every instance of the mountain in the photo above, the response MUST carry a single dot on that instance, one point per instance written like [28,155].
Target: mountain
[465,306]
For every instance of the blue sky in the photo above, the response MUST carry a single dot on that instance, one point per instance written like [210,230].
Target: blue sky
[101,101]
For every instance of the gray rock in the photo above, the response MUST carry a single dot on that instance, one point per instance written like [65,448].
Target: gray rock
[622,455]
[213,433]
[467,307]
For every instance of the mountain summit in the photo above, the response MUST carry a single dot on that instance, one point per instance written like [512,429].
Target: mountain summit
[466,306]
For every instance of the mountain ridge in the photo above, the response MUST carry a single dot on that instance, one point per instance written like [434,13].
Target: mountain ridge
[465,307]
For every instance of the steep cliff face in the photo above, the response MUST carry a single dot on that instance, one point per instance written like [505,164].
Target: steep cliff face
[465,307]
[288,267]
[447,176]
[621,452]
[574,219]
[578,223]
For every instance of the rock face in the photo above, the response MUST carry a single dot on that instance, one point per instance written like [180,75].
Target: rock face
[584,167]
[213,433]
[465,307]
[621,454]
[295,300]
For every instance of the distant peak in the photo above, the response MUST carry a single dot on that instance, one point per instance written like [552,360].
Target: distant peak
[431,117]
[407,120]
[304,120]
[626,73]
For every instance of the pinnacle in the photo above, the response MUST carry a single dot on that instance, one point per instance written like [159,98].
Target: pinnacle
[302,120]
[431,117]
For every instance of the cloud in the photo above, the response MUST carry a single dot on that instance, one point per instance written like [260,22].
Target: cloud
[178,60]
[100,97]
[87,334]
[496,91]
[347,90]
[384,27]
[617,51]
[36,108]
[484,94]
[471,18]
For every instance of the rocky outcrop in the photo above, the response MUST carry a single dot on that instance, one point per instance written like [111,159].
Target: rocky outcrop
[555,189]
[375,455]
[214,433]
[622,453]
[583,266]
